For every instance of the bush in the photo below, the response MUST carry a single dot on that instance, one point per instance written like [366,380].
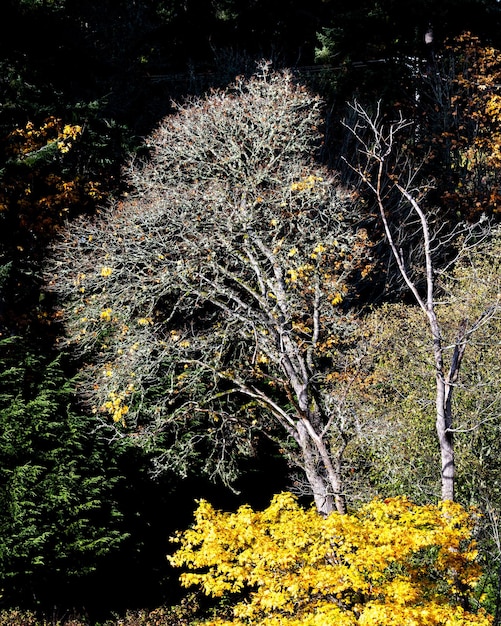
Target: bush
[391,562]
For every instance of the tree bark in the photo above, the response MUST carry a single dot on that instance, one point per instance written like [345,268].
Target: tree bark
[325,482]
[324,500]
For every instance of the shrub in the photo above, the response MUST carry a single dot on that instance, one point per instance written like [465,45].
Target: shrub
[390,563]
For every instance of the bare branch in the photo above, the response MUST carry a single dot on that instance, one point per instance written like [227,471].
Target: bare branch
[206,301]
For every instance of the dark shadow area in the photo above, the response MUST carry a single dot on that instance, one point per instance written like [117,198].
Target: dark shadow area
[138,576]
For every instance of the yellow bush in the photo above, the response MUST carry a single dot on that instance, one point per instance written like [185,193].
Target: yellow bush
[390,563]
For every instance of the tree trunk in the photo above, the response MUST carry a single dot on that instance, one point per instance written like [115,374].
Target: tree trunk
[323,477]
[324,482]
[443,411]
[445,440]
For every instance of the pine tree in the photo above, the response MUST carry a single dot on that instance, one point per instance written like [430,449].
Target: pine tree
[57,514]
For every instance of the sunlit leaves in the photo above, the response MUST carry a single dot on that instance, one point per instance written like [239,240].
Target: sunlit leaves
[106,271]
[390,563]
[464,121]
[39,188]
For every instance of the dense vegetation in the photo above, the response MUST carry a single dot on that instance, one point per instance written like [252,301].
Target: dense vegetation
[334,258]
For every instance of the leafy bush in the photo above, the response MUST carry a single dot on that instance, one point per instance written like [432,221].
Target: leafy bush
[391,562]
[18,617]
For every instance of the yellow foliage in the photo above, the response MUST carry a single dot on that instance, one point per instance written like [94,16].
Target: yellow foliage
[32,138]
[472,139]
[317,250]
[115,406]
[390,563]
[105,315]
[45,190]
[301,273]
[306,183]
[106,271]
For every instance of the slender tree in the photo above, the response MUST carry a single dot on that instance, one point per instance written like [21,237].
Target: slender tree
[416,239]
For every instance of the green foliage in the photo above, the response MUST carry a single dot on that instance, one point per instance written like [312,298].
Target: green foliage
[57,516]
[396,388]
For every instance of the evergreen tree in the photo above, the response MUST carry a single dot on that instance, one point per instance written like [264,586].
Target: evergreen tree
[57,514]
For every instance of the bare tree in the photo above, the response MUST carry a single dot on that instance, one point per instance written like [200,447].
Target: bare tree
[386,171]
[208,304]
